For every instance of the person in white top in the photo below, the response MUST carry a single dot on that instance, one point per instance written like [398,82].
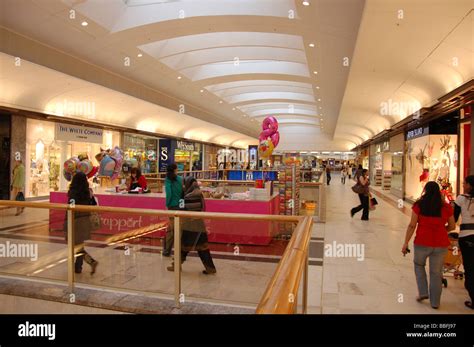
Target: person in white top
[464,207]
[343,175]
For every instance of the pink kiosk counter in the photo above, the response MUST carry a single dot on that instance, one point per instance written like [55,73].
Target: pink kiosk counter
[220,231]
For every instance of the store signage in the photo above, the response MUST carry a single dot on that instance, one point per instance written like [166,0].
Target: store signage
[77,133]
[164,158]
[418,132]
[185,146]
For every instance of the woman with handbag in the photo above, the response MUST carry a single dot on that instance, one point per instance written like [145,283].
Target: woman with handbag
[18,184]
[80,194]
[174,194]
[429,218]
[194,236]
[362,189]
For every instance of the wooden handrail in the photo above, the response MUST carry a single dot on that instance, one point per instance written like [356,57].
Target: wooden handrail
[164,213]
[280,296]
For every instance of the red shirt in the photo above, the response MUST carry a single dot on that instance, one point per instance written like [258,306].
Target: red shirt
[141,182]
[431,231]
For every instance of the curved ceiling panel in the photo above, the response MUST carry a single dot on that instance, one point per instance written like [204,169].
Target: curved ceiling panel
[244,97]
[268,88]
[245,67]
[257,83]
[222,54]
[125,14]
[189,43]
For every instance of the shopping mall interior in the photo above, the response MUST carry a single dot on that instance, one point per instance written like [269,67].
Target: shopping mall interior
[284,152]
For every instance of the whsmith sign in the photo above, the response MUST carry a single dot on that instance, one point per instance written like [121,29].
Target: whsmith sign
[185,146]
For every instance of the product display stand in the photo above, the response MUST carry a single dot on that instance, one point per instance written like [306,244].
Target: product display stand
[289,200]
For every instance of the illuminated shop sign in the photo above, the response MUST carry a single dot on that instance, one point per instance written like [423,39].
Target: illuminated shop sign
[164,156]
[418,132]
[77,133]
[185,146]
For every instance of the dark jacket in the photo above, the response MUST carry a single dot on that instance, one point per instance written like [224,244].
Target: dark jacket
[82,222]
[194,229]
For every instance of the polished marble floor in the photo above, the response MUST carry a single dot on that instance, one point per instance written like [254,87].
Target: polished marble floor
[382,282]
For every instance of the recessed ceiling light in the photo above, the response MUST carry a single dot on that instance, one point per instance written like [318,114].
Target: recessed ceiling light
[202,90]
[220,101]
[315,72]
[233,108]
[311,45]
[179,77]
[317,87]
[139,55]
[84,24]
[319,99]
[306,3]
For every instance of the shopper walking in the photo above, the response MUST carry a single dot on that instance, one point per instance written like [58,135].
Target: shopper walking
[343,175]
[429,217]
[194,235]
[464,206]
[362,189]
[18,184]
[328,175]
[174,196]
[80,194]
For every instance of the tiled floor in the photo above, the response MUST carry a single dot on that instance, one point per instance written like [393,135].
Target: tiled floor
[384,282]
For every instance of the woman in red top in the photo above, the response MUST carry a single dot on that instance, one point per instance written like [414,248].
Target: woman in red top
[429,217]
[137,180]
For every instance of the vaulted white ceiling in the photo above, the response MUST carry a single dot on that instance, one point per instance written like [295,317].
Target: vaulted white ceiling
[240,60]
[325,71]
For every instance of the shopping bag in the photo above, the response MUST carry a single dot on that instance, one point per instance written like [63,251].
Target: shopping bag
[372,203]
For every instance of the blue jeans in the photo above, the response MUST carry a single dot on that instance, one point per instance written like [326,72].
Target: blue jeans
[436,257]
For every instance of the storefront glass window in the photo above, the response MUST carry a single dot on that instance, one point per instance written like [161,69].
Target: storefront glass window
[141,151]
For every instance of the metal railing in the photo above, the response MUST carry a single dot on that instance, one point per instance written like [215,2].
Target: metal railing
[285,281]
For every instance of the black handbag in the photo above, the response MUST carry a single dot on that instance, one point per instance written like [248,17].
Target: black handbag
[20,197]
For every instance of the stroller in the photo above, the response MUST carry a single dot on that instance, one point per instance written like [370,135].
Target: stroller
[453,259]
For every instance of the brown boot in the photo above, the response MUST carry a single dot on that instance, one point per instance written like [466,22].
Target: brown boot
[171,267]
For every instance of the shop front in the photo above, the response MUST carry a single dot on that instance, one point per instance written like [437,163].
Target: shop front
[465,132]
[141,151]
[397,143]
[50,144]
[363,158]
[187,155]
[380,164]
[431,155]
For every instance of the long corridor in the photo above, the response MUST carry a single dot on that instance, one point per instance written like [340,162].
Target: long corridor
[384,281]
